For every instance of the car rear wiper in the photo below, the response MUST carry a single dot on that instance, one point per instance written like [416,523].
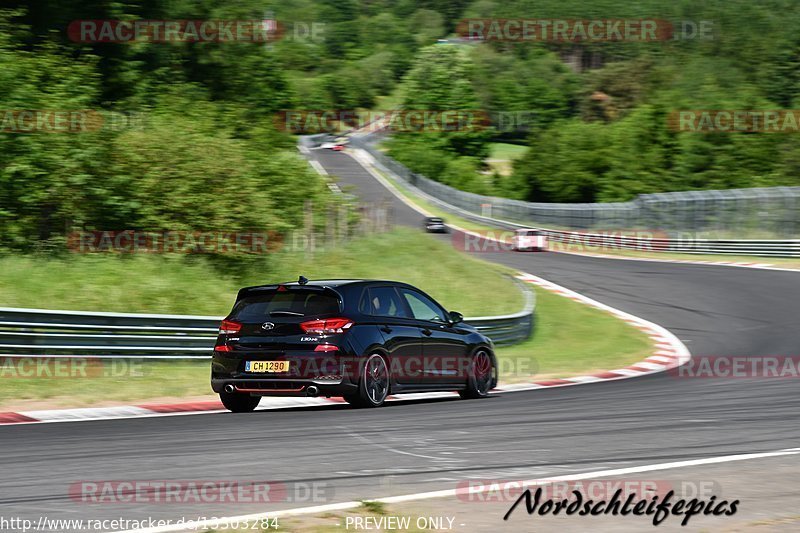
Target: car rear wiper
[285,313]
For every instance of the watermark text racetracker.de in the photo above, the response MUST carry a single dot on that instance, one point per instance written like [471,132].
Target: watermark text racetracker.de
[309,121]
[45,524]
[28,121]
[575,30]
[597,240]
[132,241]
[198,491]
[265,30]
[326,364]
[735,120]
[738,367]
[497,490]
[170,31]
[43,367]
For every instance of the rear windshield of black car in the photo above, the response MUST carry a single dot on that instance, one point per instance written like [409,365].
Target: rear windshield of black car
[296,303]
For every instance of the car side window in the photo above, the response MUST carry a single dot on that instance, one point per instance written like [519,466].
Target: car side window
[423,307]
[384,301]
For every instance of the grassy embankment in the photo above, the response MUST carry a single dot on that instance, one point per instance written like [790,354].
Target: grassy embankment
[566,338]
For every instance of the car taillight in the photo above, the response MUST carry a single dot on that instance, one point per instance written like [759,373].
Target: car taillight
[326,348]
[229,326]
[328,326]
[223,348]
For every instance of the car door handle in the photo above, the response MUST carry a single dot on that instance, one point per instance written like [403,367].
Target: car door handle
[386,329]
[426,331]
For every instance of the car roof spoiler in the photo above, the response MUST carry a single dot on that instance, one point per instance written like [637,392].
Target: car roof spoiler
[249,291]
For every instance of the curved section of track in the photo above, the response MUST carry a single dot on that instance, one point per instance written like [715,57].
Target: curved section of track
[430,445]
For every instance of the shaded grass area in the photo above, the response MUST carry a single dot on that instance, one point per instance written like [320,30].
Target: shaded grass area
[502,155]
[571,338]
[506,151]
[104,382]
[205,286]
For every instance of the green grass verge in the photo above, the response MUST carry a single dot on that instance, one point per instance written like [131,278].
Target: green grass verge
[571,338]
[199,285]
[506,151]
[119,381]
[502,156]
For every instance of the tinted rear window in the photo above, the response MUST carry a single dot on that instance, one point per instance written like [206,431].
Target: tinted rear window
[306,303]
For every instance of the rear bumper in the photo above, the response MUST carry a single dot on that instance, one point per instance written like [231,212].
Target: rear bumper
[283,387]
[333,374]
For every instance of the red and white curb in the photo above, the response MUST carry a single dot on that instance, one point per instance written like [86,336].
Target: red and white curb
[669,352]
[180,408]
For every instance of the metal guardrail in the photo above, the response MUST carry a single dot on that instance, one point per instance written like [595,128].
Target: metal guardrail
[473,208]
[762,248]
[48,333]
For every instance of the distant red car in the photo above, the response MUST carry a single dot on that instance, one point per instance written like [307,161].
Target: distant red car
[338,148]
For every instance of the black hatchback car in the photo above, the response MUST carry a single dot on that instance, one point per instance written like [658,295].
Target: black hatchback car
[358,339]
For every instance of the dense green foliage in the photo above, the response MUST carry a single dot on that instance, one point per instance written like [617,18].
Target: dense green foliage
[597,129]
[187,160]
[189,140]
[206,153]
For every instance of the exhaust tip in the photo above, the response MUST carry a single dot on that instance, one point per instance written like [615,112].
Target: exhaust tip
[312,391]
[229,388]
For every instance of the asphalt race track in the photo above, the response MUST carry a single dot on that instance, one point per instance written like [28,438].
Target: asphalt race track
[418,446]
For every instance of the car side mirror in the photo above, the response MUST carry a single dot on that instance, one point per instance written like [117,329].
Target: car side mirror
[456,317]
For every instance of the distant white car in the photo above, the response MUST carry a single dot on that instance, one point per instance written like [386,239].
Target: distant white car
[529,240]
[327,146]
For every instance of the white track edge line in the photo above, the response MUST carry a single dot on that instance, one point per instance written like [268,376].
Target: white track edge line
[197,525]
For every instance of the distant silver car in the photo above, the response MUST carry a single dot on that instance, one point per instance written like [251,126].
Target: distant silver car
[528,240]
[435,225]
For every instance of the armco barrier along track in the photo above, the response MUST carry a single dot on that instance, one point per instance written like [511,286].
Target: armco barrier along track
[41,332]
[474,207]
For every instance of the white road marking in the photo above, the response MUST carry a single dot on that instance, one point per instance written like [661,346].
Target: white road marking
[318,167]
[343,506]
